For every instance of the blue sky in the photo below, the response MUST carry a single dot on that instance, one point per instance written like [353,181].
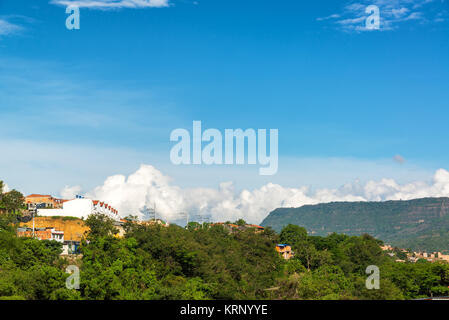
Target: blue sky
[77,106]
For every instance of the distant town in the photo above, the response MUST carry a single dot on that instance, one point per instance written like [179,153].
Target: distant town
[404,255]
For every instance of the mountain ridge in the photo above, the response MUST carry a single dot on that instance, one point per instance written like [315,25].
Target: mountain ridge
[419,224]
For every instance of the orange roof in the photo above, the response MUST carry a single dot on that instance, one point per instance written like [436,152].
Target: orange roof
[39,196]
[256,226]
[95,202]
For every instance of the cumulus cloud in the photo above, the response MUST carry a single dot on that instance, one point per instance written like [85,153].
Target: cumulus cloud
[148,187]
[113,4]
[70,192]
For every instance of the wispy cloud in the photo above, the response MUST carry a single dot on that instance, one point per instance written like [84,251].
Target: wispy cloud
[392,13]
[332,16]
[7,28]
[13,24]
[113,4]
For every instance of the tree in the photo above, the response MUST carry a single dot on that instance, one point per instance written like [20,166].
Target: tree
[362,251]
[193,225]
[293,235]
[240,222]
[326,283]
[310,257]
[100,226]
[13,201]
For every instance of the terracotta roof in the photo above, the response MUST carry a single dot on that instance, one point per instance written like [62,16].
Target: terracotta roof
[39,196]
[255,226]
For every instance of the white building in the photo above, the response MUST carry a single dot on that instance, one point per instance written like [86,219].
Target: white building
[57,235]
[81,208]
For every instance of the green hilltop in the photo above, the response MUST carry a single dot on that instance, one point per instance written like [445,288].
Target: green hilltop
[419,224]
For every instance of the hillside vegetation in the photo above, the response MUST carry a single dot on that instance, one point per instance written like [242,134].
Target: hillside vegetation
[420,224]
[156,262]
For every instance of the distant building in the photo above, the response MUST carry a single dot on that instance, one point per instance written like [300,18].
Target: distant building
[285,251]
[431,257]
[441,256]
[256,227]
[48,233]
[73,230]
[70,247]
[154,222]
[234,227]
[45,201]
[81,208]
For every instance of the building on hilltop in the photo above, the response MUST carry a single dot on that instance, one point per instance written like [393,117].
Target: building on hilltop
[44,201]
[81,208]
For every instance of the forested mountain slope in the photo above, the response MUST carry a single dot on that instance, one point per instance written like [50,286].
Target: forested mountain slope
[419,224]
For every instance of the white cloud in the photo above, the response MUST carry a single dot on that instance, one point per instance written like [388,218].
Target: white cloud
[5,188]
[113,4]
[148,186]
[8,28]
[332,16]
[397,13]
[70,192]
[392,14]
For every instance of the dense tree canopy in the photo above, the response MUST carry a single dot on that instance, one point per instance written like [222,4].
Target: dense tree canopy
[211,262]
[11,201]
